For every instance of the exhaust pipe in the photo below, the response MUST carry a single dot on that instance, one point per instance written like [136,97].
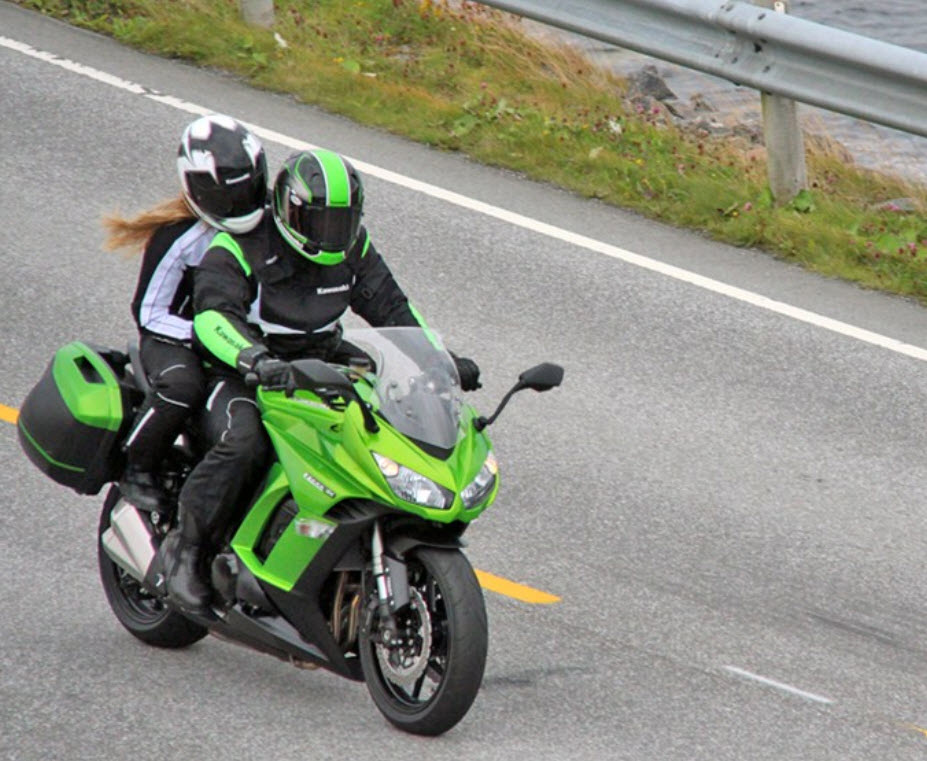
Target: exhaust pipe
[128,541]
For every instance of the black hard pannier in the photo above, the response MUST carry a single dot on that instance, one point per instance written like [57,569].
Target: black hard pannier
[72,421]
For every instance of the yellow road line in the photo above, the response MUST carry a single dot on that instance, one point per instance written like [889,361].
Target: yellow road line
[915,728]
[8,414]
[513,590]
[487,580]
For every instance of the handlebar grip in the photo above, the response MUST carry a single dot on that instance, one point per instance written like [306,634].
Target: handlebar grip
[252,380]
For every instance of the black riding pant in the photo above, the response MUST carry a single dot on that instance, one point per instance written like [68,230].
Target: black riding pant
[178,388]
[222,483]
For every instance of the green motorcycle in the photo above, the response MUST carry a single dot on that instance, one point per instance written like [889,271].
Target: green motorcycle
[349,556]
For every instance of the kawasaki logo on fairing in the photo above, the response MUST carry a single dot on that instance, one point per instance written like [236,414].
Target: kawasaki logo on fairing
[318,484]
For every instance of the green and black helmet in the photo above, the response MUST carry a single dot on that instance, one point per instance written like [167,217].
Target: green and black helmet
[318,203]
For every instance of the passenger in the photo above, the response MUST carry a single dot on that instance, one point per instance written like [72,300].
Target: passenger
[223,179]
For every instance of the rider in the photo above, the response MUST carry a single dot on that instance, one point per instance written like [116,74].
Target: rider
[223,177]
[261,299]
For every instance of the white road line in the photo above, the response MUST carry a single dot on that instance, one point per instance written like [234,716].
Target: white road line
[527,223]
[779,685]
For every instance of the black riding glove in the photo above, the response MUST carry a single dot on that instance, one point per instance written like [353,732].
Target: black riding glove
[273,373]
[469,373]
[248,358]
[255,362]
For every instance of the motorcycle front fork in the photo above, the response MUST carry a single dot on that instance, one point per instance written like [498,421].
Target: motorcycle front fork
[392,581]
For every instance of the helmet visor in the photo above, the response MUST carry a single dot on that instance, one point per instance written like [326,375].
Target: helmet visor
[327,228]
[230,198]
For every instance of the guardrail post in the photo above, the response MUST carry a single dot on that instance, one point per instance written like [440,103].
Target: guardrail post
[258,12]
[785,145]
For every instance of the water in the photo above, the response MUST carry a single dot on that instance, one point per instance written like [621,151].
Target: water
[900,22]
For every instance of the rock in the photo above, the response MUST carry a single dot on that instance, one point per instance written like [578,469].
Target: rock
[751,131]
[700,104]
[648,82]
[903,205]
[710,127]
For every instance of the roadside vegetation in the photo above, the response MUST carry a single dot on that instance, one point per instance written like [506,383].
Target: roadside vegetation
[462,77]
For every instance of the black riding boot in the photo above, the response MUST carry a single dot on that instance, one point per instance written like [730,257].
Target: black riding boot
[185,584]
[140,488]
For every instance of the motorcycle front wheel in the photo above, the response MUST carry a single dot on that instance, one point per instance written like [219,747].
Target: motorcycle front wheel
[142,614]
[425,682]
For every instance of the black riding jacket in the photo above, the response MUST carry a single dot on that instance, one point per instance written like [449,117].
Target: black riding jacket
[256,289]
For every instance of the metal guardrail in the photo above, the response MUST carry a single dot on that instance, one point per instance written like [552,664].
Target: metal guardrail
[748,45]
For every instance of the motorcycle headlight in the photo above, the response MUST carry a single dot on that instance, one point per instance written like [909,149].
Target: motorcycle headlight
[478,489]
[411,486]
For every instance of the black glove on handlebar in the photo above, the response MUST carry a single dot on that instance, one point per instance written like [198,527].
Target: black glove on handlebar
[259,367]
[248,358]
[469,373]
[273,373]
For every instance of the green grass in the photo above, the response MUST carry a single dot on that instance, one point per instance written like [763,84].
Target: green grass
[465,78]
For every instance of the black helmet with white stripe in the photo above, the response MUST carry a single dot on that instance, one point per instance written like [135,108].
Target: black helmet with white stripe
[318,202]
[223,173]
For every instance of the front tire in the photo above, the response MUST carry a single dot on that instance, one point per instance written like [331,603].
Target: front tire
[428,684]
[142,614]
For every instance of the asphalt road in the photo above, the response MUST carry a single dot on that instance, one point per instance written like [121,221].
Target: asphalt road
[728,498]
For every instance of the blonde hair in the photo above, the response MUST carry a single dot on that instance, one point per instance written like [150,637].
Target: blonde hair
[135,233]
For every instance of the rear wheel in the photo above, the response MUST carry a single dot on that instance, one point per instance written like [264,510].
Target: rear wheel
[426,683]
[141,613]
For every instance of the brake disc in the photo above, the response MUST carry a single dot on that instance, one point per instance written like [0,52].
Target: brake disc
[404,663]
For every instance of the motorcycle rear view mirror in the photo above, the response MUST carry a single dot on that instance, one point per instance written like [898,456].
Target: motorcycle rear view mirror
[541,377]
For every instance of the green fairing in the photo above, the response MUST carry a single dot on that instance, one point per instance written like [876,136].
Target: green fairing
[88,386]
[249,533]
[324,457]
[218,335]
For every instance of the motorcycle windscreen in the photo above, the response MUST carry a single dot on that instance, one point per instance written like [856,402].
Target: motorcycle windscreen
[416,382]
